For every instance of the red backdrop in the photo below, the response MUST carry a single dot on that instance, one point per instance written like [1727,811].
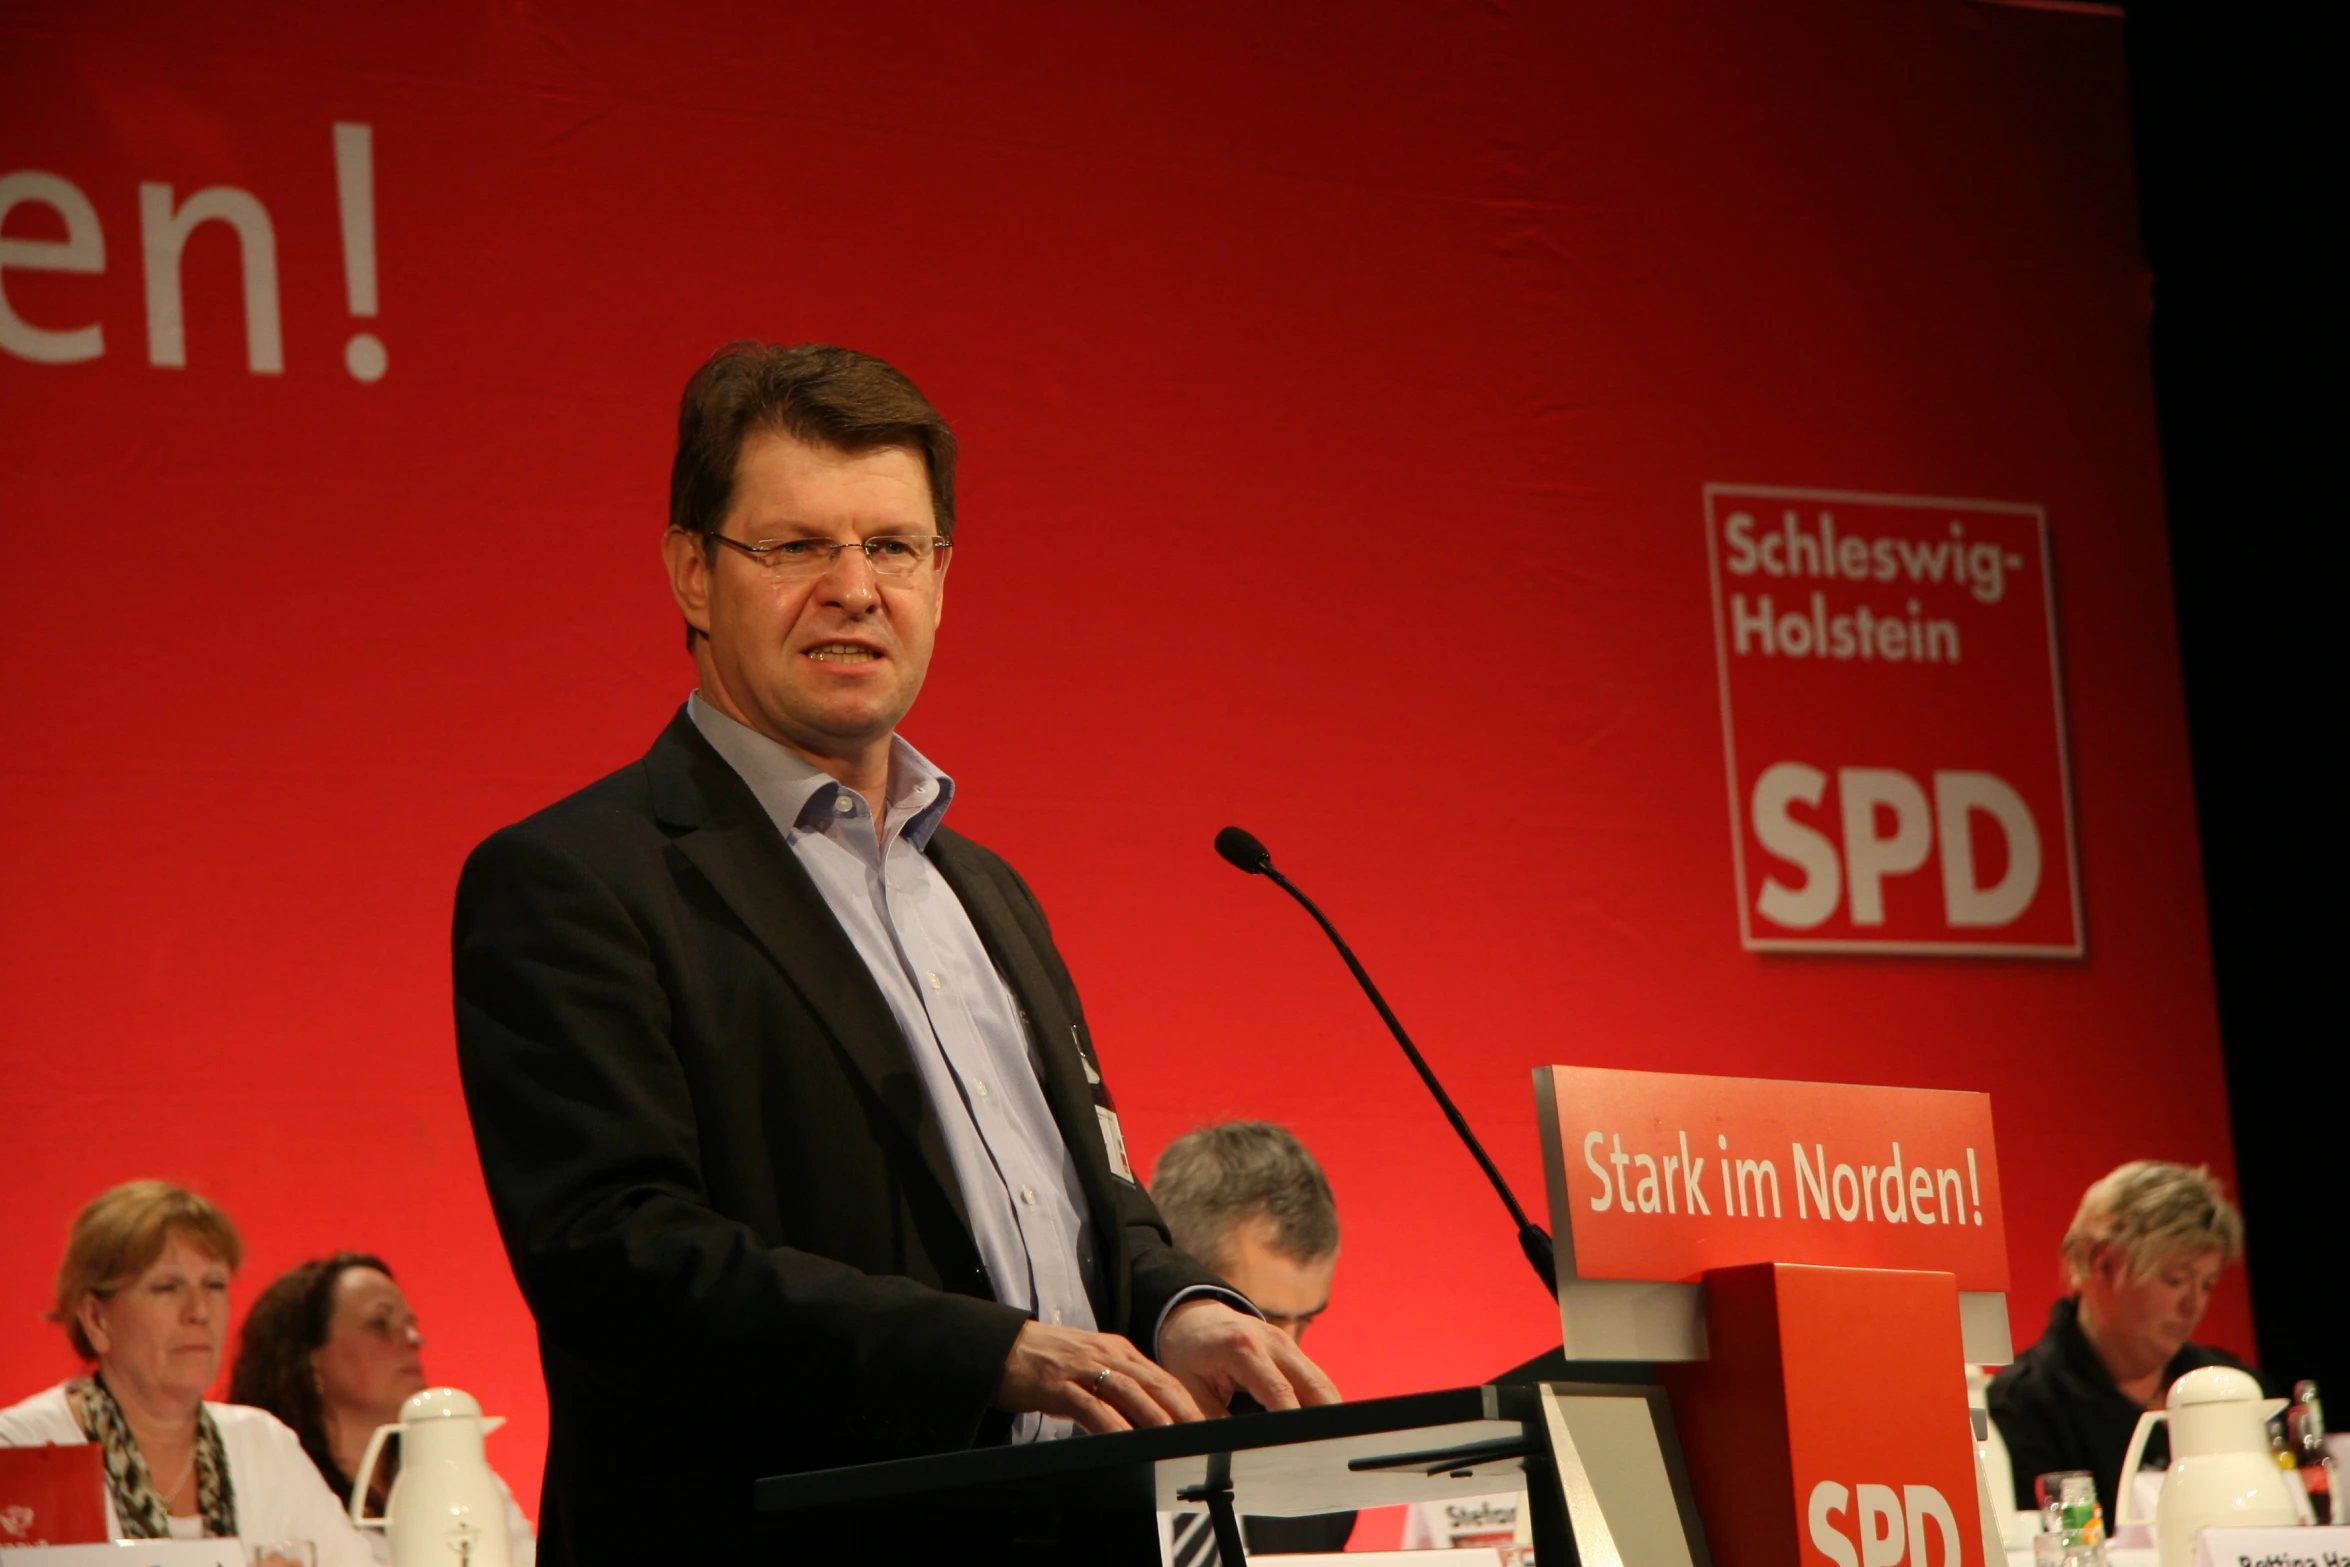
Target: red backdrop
[1338,386]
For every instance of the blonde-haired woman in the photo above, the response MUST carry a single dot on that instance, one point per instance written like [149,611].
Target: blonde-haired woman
[143,1297]
[2144,1252]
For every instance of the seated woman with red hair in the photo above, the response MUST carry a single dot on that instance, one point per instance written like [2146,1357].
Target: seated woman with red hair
[143,1295]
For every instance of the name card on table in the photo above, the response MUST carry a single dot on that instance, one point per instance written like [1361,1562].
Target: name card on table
[129,1553]
[1656,1177]
[2328,1547]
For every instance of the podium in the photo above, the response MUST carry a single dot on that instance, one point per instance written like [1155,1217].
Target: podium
[1806,1266]
[1810,1266]
[1600,1463]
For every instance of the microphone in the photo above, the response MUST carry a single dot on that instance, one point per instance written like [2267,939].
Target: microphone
[1241,849]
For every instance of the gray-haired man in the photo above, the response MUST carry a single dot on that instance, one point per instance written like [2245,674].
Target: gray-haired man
[1248,1200]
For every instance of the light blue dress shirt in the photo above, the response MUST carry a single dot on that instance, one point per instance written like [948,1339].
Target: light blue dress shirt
[965,1031]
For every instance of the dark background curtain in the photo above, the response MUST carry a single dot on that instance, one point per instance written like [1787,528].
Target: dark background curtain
[2237,168]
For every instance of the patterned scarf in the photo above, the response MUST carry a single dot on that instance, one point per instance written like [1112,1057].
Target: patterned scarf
[140,1511]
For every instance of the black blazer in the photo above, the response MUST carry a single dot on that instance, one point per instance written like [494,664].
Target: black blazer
[717,1174]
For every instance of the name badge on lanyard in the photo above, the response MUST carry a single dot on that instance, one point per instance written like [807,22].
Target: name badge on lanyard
[1105,1110]
[1114,1143]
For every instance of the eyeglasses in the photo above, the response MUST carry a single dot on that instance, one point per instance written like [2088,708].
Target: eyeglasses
[890,554]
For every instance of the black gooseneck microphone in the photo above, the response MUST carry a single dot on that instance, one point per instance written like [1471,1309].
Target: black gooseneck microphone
[1244,851]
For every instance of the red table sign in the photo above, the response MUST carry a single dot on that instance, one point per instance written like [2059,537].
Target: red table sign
[1667,1176]
[1893,721]
[52,1495]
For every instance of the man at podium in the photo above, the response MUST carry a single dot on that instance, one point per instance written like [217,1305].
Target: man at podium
[788,1109]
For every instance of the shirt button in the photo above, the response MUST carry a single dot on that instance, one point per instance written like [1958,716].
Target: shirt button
[1028,1195]
[1056,1316]
[845,803]
[979,1087]
[935,984]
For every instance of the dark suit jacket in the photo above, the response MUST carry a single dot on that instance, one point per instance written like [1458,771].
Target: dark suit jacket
[720,1182]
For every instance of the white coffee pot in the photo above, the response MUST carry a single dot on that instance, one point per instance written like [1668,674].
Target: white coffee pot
[2221,1471]
[445,1509]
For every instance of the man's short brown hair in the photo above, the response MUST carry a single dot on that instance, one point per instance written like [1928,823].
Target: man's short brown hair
[1211,1180]
[119,1236]
[813,392]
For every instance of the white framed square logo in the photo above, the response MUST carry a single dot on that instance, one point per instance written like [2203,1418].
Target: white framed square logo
[1893,725]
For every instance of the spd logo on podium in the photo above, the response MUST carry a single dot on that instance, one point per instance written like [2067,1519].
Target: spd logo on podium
[1893,724]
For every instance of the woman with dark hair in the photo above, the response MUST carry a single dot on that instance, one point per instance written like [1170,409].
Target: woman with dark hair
[333,1350]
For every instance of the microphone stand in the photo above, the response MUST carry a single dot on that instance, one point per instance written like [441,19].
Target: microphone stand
[1245,852]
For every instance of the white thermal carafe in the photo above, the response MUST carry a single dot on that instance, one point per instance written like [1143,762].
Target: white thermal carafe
[445,1509]
[2222,1474]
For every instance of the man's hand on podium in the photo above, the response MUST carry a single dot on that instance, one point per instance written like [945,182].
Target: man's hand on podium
[1104,1383]
[1216,1351]
[1099,1380]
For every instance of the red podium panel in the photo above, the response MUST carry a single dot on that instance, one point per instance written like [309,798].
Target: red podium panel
[1667,1176]
[1828,1428]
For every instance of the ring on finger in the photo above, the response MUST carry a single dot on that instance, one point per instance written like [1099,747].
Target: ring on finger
[1099,1377]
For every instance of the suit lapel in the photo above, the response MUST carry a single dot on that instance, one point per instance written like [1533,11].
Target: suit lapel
[1053,1032]
[737,849]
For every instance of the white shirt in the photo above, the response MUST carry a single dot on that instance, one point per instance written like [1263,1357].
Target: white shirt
[961,1022]
[963,1026]
[279,1494]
